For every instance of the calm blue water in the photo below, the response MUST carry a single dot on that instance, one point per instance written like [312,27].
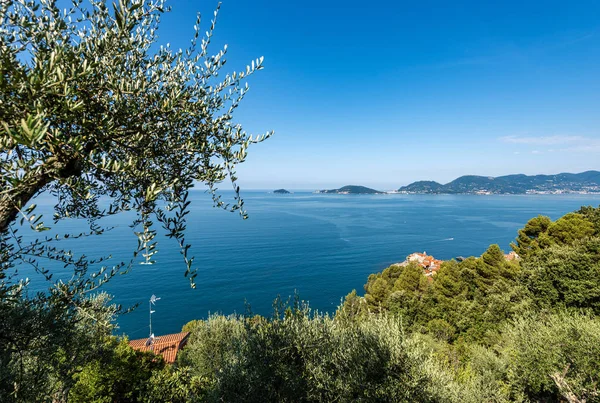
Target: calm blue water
[323,246]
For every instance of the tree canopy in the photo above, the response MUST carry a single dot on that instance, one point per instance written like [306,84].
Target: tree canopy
[95,113]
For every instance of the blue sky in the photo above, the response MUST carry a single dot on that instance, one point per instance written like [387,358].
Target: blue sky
[385,93]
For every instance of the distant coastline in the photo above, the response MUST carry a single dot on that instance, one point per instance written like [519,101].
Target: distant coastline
[564,183]
[582,183]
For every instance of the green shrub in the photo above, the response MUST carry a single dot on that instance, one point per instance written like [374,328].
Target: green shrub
[311,357]
[119,374]
[566,276]
[539,348]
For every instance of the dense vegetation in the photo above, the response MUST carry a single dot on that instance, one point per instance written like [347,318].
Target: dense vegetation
[532,317]
[510,184]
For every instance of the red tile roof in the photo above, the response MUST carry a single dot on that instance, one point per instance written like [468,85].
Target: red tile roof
[168,345]
[429,264]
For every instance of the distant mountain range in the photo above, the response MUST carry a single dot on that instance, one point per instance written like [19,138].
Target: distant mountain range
[351,189]
[585,182]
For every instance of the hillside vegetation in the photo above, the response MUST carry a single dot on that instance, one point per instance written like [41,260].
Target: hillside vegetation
[588,181]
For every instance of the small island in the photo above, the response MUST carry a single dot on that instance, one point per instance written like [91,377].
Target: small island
[351,189]
[282,192]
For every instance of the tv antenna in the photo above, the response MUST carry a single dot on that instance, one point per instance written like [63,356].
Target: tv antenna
[152,301]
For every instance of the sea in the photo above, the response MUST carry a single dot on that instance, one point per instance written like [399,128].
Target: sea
[318,246]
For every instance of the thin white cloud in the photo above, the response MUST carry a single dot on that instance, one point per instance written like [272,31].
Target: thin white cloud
[593,147]
[556,144]
[543,140]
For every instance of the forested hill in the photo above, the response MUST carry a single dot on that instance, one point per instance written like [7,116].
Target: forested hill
[585,182]
[351,189]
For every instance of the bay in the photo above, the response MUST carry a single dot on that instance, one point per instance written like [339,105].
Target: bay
[320,246]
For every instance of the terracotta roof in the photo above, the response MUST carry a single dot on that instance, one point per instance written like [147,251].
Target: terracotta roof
[429,264]
[168,345]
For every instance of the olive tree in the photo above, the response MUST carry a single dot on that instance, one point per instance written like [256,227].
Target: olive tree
[95,113]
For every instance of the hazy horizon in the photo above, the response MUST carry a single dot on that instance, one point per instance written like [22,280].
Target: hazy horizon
[384,185]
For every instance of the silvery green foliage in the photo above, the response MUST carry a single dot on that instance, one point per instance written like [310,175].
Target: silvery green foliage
[91,109]
[303,356]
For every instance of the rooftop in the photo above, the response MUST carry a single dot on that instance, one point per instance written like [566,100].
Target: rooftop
[167,346]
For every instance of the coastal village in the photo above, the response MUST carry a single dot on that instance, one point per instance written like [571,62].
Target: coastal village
[429,264]
[432,265]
